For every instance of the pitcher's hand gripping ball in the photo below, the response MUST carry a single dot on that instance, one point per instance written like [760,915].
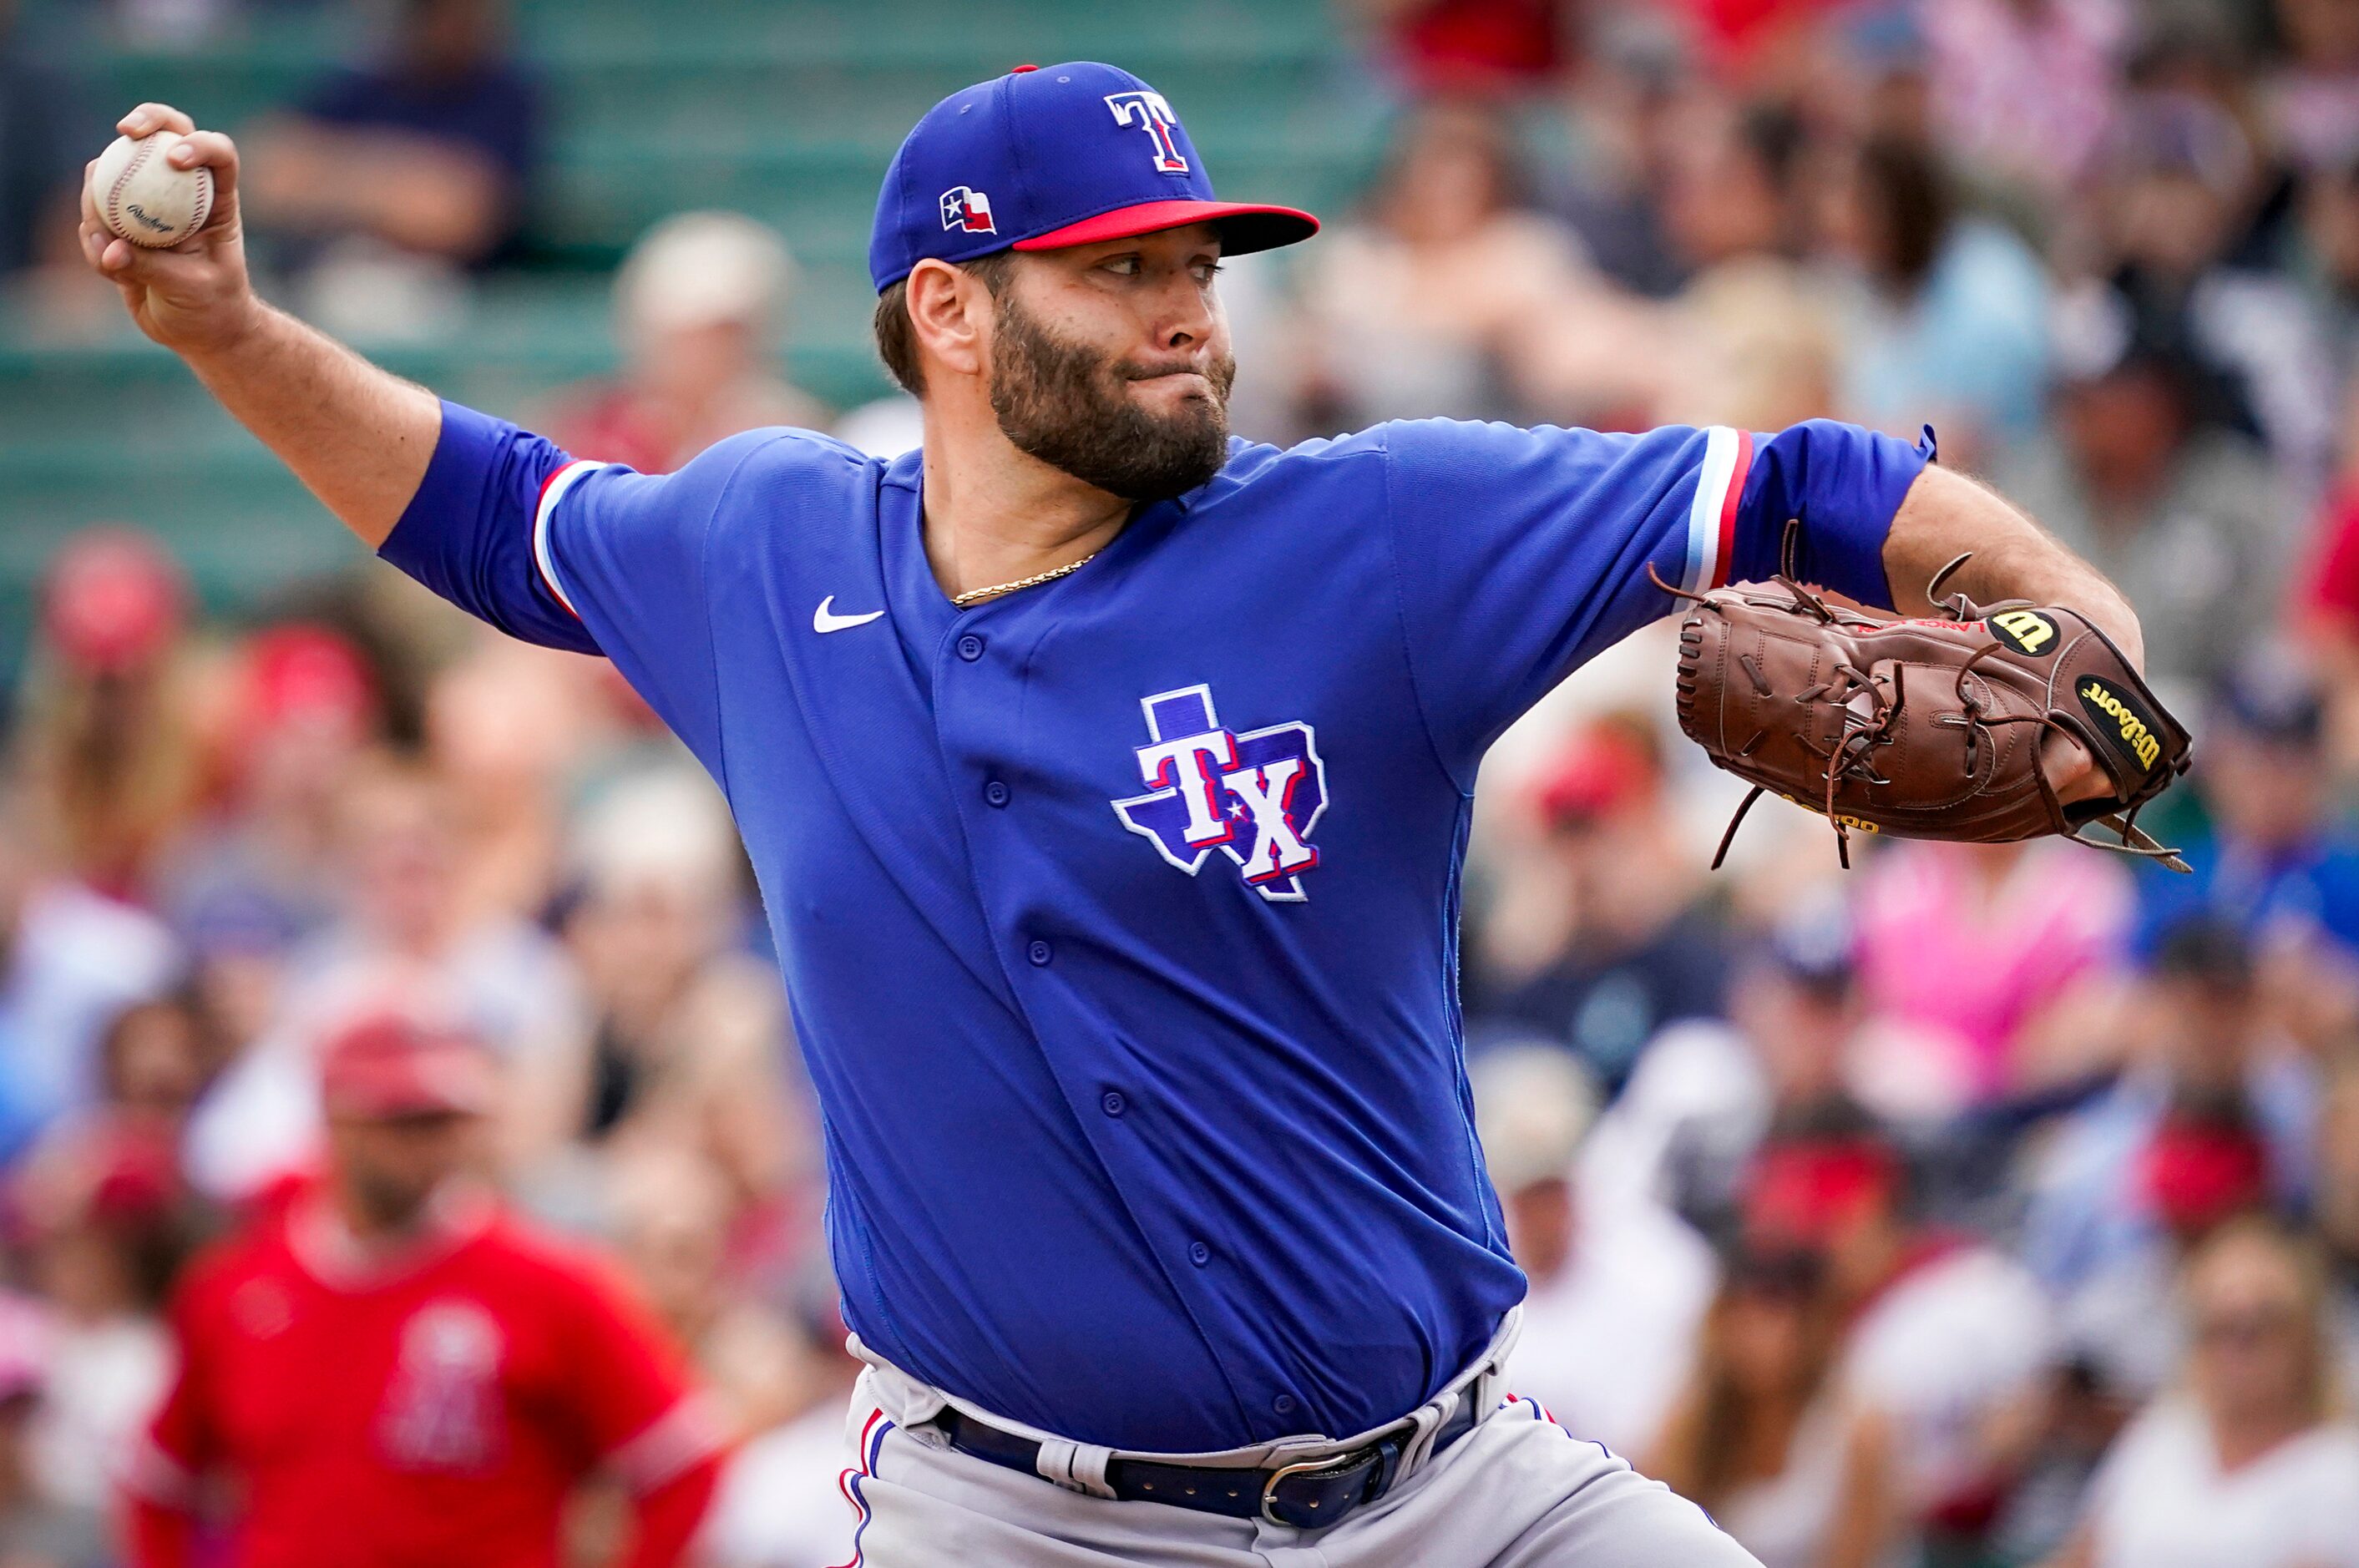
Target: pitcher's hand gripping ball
[142,199]
[1923,728]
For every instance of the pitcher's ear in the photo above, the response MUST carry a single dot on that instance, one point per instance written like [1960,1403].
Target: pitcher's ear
[950,316]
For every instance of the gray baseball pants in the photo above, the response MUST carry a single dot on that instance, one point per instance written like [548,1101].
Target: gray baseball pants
[1518,1491]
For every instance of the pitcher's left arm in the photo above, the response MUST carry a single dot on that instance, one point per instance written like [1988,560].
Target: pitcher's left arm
[1946,515]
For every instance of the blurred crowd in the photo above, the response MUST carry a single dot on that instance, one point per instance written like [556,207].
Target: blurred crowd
[1976,1208]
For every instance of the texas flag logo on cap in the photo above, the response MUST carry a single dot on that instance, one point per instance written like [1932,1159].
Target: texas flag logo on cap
[966,209]
[1074,154]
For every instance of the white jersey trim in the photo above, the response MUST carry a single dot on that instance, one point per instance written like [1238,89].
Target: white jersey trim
[1707,567]
[553,491]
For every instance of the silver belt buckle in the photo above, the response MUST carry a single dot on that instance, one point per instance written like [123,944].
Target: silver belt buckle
[1269,1487]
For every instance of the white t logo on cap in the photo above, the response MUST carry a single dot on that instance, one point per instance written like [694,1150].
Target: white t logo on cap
[1150,113]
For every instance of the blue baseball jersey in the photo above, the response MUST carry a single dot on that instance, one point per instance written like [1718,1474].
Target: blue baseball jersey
[1120,914]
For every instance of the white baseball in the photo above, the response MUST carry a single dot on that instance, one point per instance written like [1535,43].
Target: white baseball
[142,197]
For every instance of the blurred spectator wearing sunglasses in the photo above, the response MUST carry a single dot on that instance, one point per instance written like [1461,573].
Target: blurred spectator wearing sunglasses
[2247,1461]
[689,1038]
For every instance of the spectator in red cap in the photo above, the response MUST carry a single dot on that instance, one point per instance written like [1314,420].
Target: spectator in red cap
[2204,1165]
[114,601]
[1945,1335]
[396,1372]
[2123,1171]
[407,930]
[107,746]
[301,707]
[1621,941]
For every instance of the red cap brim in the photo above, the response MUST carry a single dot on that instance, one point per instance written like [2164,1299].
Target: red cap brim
[1245,228]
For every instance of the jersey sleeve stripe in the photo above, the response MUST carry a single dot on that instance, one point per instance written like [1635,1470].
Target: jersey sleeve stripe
[553,491]
[1712,511]
[1731,494]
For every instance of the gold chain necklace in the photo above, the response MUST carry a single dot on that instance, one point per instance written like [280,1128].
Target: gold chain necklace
[976,595]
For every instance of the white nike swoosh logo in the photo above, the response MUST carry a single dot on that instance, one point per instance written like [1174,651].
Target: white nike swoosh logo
[826,620]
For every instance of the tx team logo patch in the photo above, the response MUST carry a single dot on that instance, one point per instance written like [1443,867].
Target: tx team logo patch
[1254,797]
[968,209]
[1150,113]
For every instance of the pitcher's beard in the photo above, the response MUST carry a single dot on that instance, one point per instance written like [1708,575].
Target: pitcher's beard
[1067,406]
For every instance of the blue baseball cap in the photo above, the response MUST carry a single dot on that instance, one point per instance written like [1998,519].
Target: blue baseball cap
[1053,156]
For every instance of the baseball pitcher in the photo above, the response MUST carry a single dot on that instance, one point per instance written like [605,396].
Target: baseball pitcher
[1107,778]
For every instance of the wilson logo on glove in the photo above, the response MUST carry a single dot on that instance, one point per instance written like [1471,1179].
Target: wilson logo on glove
[2025,631]
[2129,726]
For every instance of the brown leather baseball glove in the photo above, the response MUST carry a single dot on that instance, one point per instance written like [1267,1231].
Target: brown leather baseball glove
[1923,728]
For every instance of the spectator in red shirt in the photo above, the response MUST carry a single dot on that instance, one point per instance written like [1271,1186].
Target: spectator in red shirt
[396,1374]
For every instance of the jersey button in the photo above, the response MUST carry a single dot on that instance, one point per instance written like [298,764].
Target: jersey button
[1283,1404]
[1199,1254]
[996,792]
[1113,1103]
[970,647]
[1039,952]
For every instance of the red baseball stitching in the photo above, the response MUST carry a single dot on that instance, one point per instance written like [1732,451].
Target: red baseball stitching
[204,207]
[114,192]
[146,145]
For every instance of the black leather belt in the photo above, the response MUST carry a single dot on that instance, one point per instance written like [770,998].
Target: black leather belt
[1307,1496]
